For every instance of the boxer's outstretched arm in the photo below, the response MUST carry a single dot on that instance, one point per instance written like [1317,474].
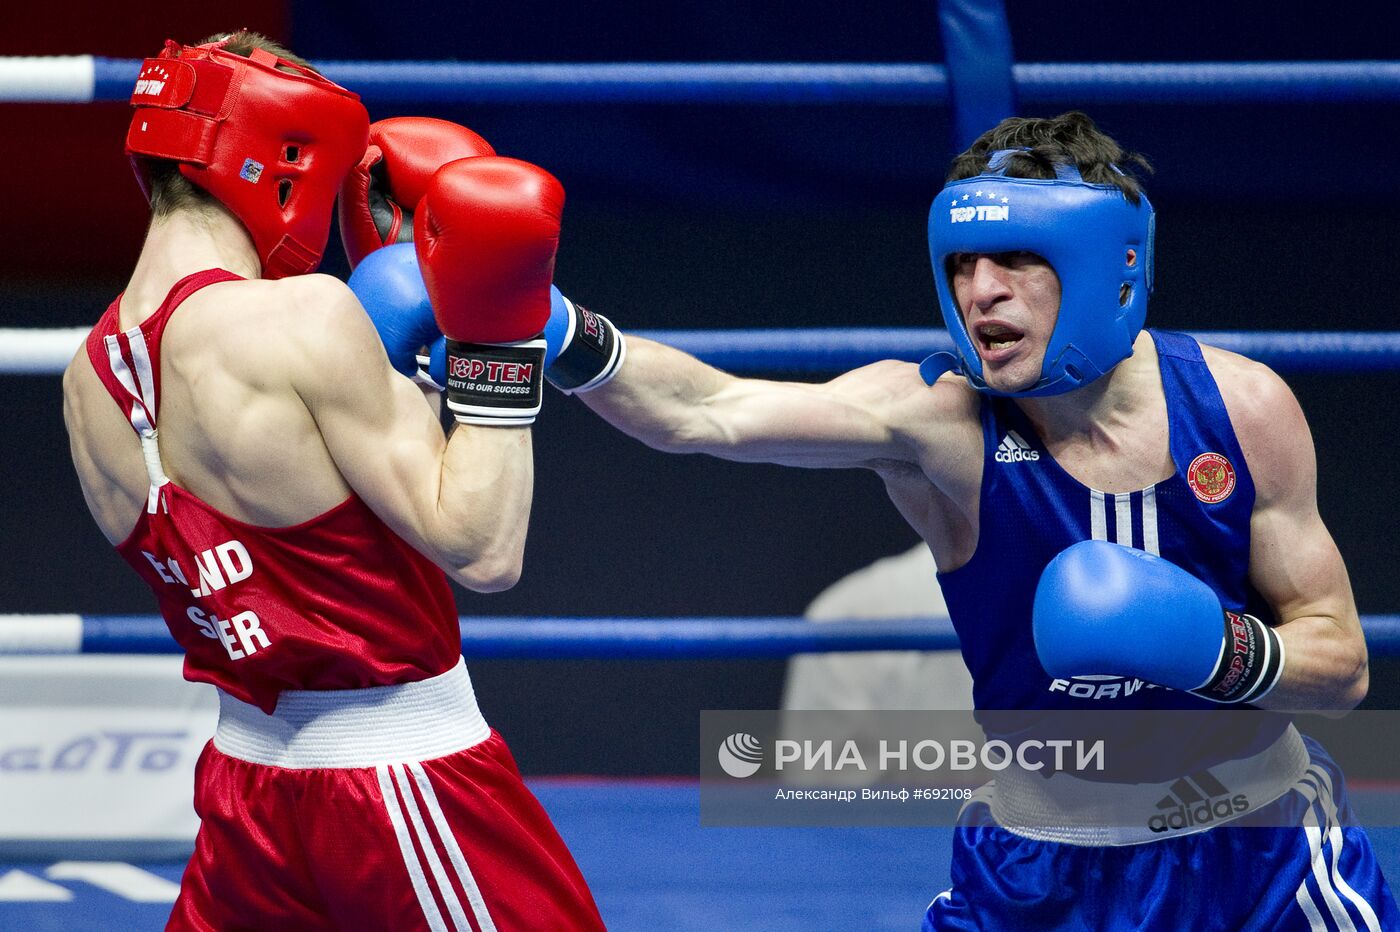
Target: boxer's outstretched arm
[1294,562]
[673,402]
[463,501]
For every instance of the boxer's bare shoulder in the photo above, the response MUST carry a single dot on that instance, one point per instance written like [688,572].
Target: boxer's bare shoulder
[254,324]
[941,425]
[936,485]
[1268,421]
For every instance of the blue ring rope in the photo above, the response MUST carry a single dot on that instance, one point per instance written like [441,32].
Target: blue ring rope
[792,83]
[495,637]
[838,350]
[829,350]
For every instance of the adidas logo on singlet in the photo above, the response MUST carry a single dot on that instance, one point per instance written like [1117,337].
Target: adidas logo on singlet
[1013,449]
[1197,799]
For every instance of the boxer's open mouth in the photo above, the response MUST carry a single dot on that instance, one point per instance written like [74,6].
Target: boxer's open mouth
[996,336]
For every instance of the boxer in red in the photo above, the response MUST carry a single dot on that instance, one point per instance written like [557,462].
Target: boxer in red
[293,503]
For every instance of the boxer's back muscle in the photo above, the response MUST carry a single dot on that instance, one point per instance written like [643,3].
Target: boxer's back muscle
[232,429]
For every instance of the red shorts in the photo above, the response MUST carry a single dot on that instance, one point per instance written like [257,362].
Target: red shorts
[451,842]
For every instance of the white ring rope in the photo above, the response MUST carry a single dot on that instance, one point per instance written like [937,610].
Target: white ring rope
[32,351]
[47,79]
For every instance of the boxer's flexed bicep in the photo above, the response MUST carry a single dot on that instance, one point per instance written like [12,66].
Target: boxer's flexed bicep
[1294,563]
[462,504]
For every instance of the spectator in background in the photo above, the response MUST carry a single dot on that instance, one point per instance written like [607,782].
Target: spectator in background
[900,586]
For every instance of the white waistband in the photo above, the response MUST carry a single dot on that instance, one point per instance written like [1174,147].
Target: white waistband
[1071,810]
[355,727]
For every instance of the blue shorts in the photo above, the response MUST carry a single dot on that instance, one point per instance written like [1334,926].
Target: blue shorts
[1319,877]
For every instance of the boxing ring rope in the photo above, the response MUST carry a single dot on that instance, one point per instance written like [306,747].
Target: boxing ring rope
[35,351]
[525,638]
[89,78]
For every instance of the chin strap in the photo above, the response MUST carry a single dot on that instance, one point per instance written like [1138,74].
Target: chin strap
[939,364]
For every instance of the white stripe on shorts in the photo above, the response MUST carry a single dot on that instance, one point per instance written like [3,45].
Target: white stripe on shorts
[1334,834]
[1304,898]
[1317,791]
[410,857]
[425,844]
[396,784]
[1317,858]
[454,850]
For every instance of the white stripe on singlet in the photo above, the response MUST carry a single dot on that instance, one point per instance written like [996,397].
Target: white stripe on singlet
[1123,518]
[144,374]
[143,396]
[1149,521]
[139,418]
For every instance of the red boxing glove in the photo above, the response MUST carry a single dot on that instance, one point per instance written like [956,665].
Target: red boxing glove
[486,233]
[378,197]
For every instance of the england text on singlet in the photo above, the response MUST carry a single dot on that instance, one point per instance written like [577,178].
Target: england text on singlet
[1031,509]
[336,602]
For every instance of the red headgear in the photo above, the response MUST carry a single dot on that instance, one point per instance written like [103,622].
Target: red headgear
[273,146]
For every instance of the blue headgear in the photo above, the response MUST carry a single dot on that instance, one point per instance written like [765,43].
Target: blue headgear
[1084,231]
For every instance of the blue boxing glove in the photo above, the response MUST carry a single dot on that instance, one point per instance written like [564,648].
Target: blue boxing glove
[583,350]
[1102,608]
[390,287]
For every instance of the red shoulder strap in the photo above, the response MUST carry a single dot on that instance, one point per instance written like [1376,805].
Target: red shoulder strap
[128,362]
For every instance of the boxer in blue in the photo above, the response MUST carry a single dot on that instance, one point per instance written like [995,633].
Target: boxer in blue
[1125,520]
